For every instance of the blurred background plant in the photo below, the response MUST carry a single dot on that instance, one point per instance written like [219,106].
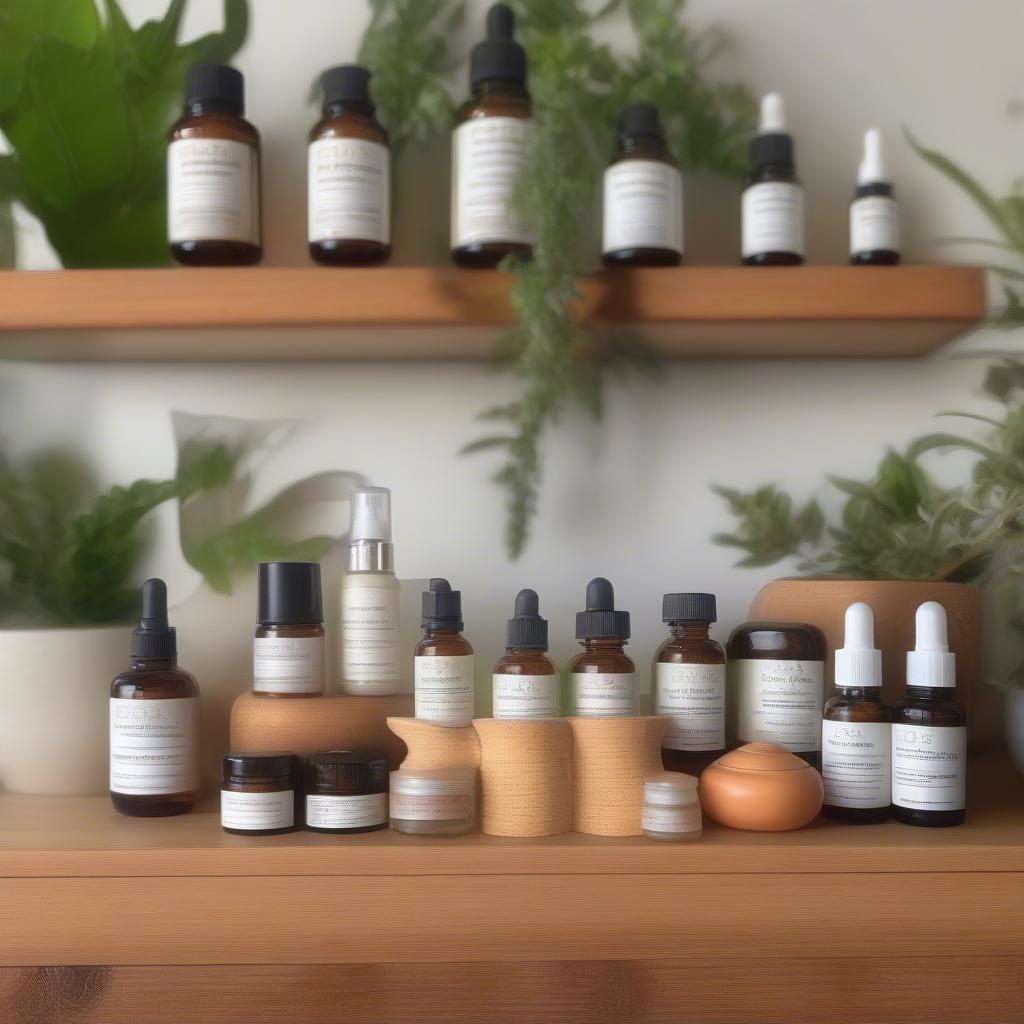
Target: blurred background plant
[85,102]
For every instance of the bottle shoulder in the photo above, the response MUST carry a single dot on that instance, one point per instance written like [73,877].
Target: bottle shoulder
[495,104]
[349,126]
[601,661]
[842,708]
[167,682]
[214,126]
[928,710]
[699,652]
[525,663]
[443,647]
[779,641]
[773,175]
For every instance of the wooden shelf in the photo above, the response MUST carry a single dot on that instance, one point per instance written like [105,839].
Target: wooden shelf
[689,311]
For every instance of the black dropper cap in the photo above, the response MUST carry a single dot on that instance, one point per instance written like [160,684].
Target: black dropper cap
[499,57]
[601,619]
[153,637]
[689,608]
[640,119]
[217,83]
[442,606]
[526,629]
[289,594]
[348,83]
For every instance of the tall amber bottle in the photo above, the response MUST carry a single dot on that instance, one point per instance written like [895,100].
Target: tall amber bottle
[154,720]
[213,173]
[349,175]
[602,679]
[525,680]
[488,148]
[689,684]
[444,666]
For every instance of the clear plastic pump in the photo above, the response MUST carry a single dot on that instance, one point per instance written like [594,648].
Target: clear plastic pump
[773,114]
[371,514]
[872,166]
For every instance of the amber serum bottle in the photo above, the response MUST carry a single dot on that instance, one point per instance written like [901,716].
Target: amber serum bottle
[689,684]
[602,679]
[349,175]
[856,734]
[526,682]
[443,668]
[488,148]
[288,651]
[643,195]
[929,731]
[213,173]
[154,720]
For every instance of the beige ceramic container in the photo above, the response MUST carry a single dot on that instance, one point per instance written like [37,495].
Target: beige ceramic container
[761,787]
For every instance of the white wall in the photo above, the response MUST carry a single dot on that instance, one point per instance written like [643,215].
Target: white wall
[629,498]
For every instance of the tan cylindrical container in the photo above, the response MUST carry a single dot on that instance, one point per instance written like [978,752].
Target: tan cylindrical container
[306,725]
[611,759]
[525,776]
[436,746]
[761,787]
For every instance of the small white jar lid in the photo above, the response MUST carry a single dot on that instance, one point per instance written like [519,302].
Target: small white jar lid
[672,788]
[453,781]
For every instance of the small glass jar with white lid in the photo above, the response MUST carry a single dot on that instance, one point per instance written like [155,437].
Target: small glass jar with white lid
[671,807]
[433,801]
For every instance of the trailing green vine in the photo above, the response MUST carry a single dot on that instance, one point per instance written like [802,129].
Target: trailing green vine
[578,85]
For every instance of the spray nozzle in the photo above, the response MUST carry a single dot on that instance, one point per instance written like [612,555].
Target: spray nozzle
[858,662]
[931,663]
[773,114]
[371,514]
[872,166]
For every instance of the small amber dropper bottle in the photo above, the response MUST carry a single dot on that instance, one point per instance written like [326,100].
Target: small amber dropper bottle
[526,682]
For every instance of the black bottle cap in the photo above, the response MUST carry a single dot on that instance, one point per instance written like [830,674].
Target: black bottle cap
[289,594]
[689,608]
[217,82]
[346,771]
[153,637]
[601,619]
[261,765]
[499,57]
[442,606]
[773,148]
[348,83]
[640,119]
[526,629]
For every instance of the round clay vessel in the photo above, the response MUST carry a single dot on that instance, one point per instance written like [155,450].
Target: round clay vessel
[761,787]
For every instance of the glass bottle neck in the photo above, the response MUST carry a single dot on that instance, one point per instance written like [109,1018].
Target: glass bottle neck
[860,692]
[499,87]
[690,630]
[431,631]
[348,107]
[604,643]
[931,692]
[152,663]
[195,108]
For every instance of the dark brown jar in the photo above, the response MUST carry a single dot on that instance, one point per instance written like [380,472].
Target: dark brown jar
[349,175]
[259,794]
[154,720]
[345,791]
[443,663]
[775,683]
[289,648]
[643,195]
[213,173]
[525,680]
[488,149]
[689,684]
[601,681]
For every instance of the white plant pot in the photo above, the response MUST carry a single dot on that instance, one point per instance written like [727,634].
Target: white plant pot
[54,688]
[1015,727]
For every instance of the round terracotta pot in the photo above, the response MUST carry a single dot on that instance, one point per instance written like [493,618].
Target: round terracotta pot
[823,603]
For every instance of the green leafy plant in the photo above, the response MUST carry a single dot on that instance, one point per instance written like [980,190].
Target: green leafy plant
[1006,214]
[901,525]
[85,103]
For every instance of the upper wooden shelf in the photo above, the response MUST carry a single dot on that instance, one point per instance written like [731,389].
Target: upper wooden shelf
[693,311]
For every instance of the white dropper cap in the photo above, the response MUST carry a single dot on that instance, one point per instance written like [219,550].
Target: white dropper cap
[858,663]
[773,114]
[872,166]
[931,663]
[371,514]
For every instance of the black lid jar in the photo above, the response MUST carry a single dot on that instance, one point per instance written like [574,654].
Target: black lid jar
[345,791]
[258,795]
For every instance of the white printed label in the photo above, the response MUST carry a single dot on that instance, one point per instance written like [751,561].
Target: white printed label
[257,812]
[929,767]
[425,807]
[780,702]
[212,191]
[487,153]
[527,696]
[643,206]
[369,634]
[874,224]
[773,218]
[288,665]
[334,811]
[666,818]
[154,746]
[444,689]
[348,190]
[694,698]
[604,694]
[855,763]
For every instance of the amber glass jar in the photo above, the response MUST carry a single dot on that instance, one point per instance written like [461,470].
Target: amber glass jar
[259,794]
[345,791]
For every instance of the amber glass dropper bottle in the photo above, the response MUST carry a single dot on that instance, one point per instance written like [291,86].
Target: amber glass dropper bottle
[525,680]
